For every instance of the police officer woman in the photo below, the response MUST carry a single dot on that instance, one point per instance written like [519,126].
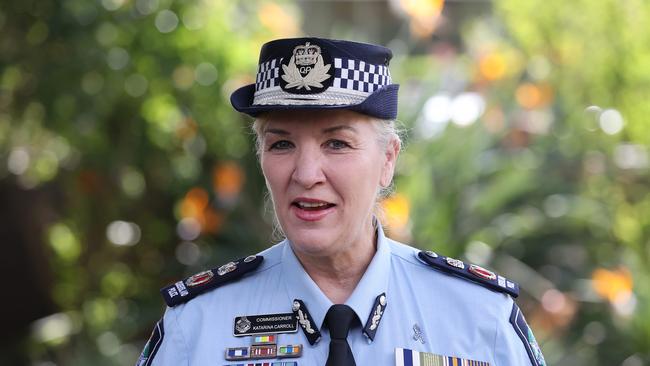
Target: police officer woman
[336,291]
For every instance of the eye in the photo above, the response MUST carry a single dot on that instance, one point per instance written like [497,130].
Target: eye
[281,145]
[337,144]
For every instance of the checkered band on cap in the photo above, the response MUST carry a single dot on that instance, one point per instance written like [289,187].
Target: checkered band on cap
[268,75]
[359,75]
[354,81]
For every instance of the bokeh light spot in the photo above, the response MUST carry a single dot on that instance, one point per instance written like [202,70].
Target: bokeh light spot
[478,252]
[106,34]
[108,343]
[132,182]
[64,242]
[166,21]
[594,333]
[188,253]
[92,83]
[613,285]
[193,19]
[52,328]
[466,108]
[553,301]
[436,114]
[611,121]
[117,58]
[631,156]
[123,233]
[183,77]
[493,66]
[205,74]
[227,181]
[556,206]
[396,209]
[146,7]
[112,5]
[188,228]
[18,160]
[136,85]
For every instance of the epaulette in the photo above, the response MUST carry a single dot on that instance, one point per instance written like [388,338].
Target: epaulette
[470,272]
[184,291]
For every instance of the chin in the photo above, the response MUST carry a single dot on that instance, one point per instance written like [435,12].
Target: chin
[312,242]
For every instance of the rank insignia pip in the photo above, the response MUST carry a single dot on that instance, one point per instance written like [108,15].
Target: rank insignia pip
[199,278]
[526,335]
[474,273]
[183,291]
[455,263]
[482,272]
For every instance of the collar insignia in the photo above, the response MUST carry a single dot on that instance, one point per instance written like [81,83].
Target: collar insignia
[370,329]
[306,321]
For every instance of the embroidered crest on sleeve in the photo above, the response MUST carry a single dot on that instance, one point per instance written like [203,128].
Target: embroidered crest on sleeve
[526,335]
[152,346]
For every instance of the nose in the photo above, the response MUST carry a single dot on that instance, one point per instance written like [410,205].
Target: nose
[308,169]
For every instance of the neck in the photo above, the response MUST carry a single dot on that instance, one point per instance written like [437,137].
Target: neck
[338,274]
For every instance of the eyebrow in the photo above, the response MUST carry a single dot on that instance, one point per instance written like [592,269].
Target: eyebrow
[332,129]
[338,128]
[277,131]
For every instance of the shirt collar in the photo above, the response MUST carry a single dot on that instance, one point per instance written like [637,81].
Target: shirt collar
[373,283]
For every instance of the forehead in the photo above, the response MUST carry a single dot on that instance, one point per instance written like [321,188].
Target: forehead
[315,120]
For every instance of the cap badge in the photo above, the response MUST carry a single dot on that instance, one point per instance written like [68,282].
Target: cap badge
[306,69]
[199,278]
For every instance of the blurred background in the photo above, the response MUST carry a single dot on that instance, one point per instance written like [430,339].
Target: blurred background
[123,166]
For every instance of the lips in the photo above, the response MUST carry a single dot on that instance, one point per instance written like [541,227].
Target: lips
[310,209]
[312,206]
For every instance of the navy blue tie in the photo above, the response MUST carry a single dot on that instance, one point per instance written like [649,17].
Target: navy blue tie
[339,319]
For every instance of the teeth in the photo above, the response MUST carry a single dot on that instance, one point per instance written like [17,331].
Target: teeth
[311,204]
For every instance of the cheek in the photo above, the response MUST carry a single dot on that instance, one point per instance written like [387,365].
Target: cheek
[275,171]
[361,176]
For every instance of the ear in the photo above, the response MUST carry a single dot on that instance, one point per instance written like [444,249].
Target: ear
[392,152]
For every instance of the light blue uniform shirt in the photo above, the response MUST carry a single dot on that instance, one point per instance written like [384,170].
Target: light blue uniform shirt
[453,316]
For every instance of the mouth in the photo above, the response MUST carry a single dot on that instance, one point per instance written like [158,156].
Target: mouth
[311,204]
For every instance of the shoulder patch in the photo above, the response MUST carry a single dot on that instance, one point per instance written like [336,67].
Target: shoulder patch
[184,291]
[152,346]
[526,335]
[470,272]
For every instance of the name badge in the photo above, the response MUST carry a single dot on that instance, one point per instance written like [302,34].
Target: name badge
[265,323]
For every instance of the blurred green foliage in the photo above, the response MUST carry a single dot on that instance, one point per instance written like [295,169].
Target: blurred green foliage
[550,184]
[526,152]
